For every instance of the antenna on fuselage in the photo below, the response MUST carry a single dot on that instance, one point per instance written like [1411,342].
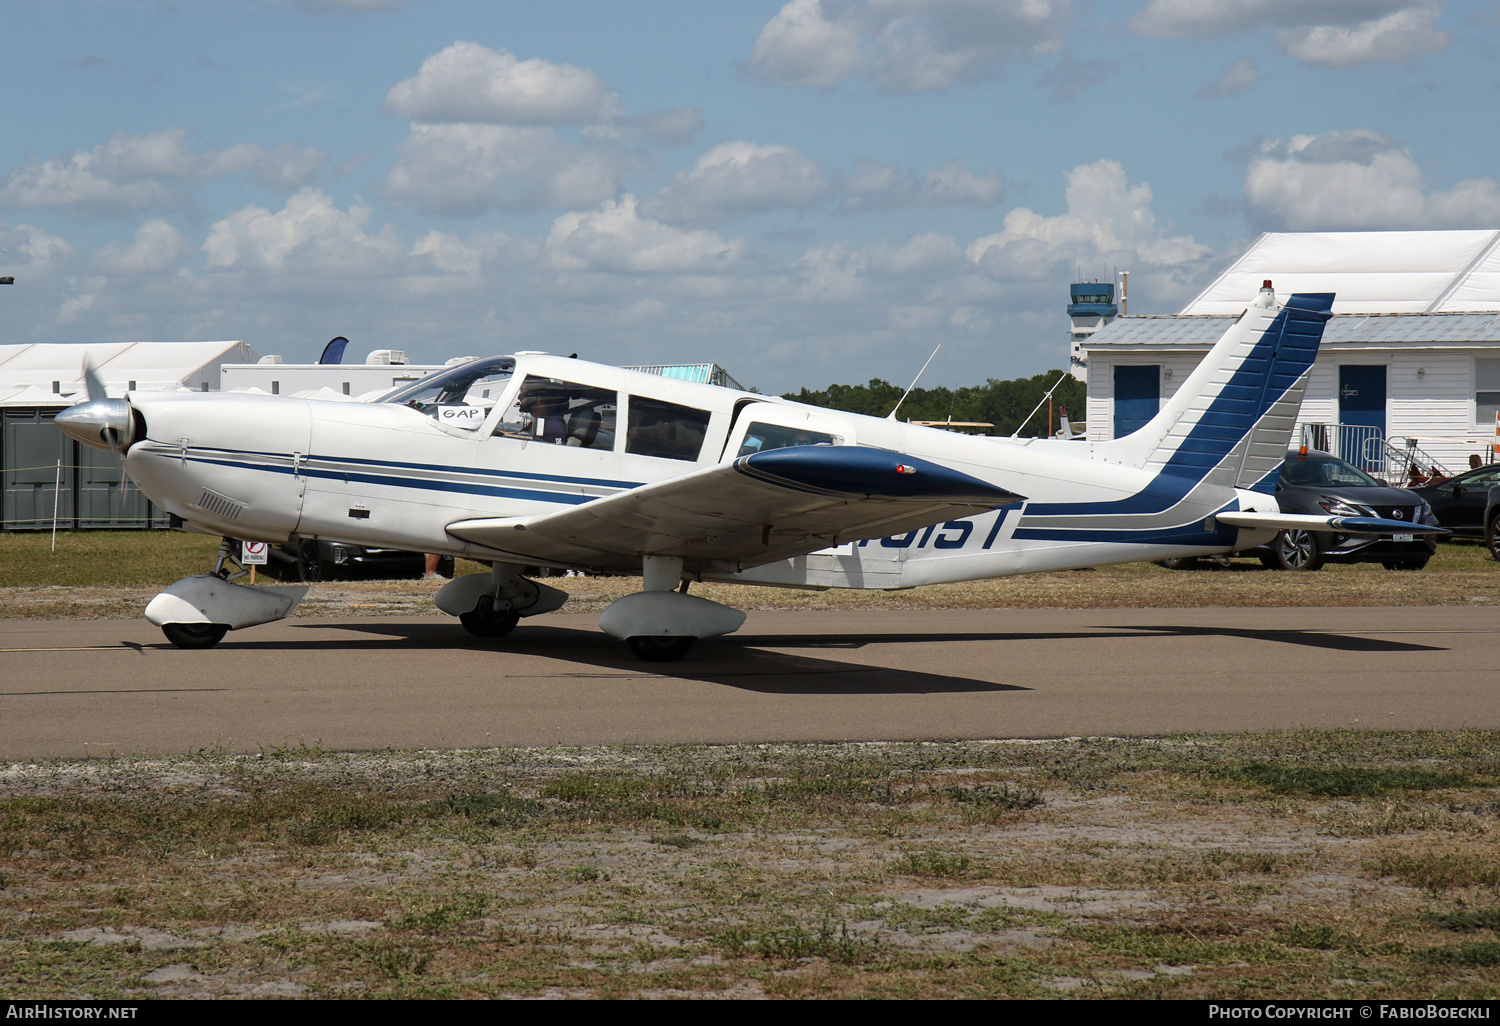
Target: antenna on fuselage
[1038,406]
[892,414]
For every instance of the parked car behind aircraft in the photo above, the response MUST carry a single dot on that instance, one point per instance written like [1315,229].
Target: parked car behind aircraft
[310,561]
[1321,484]
[1460,502]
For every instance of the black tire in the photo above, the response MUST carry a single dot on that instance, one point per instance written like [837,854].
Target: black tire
[484,622]
[195,635]
[1408,564]
[1179,563]
[1297,550]
[311,566]
[660,649]
[1492,537]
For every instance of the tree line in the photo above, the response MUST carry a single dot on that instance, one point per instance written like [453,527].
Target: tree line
[1001,403]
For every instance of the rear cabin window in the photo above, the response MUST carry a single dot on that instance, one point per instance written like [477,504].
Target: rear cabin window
[561,413]
[761,437]
[665,429]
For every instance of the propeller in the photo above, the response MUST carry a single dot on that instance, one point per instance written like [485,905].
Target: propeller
[99,421]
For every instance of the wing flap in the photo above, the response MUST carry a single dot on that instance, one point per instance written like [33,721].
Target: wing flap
[757,509]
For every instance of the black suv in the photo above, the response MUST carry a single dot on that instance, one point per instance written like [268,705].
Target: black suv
[1461,502]
[309,561]
[1324,485]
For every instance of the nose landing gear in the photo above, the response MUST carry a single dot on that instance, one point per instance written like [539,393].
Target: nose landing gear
[196,612]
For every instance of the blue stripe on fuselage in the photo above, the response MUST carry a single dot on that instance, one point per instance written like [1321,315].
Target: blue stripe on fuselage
[396,480]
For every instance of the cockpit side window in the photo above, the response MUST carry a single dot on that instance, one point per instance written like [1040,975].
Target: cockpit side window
[760,437]
[459,396]
[561,413]
[665,429]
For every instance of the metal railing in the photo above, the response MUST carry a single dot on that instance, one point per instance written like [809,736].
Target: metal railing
[1359,444]
[1408,466]
[1396,459]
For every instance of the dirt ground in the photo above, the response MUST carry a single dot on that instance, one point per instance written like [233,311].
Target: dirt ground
[1342,865]
[1315,865]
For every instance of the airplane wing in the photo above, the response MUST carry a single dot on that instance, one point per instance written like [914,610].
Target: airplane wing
[756,509]
[1344,525]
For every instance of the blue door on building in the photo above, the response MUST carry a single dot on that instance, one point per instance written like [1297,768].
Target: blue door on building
[1137,396]
[1362,414]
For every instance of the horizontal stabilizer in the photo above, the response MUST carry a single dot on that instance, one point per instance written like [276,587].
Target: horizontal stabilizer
[1343,525]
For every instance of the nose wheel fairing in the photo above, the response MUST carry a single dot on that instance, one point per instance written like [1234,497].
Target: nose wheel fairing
[196,612]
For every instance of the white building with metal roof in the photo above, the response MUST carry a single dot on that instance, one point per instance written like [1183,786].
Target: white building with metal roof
[1412,355]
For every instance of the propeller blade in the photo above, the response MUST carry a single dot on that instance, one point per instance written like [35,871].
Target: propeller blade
[98,415]
[93,387]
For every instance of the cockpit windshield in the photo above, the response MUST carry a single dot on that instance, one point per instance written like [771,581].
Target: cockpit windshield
[460,396]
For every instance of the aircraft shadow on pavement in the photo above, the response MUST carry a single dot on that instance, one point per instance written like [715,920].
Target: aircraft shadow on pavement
[729,661]
[759,662]
[1291,636]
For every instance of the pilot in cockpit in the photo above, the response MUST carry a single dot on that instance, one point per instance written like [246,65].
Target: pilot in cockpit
[547,413]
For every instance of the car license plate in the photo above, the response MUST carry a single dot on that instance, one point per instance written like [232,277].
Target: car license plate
[1402,537]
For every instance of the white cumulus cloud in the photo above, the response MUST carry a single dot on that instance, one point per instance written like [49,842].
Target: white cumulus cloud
[156,247]
[28,246]
[464,169]
[1108,221]
[1240,76]
[1326,33]
[467,82]
[1357,179]
[738,178]
[905,46]
[133,172]
[1399,36]
[310,235]
[285,169]
[615,237]
[468,257]
[874,186]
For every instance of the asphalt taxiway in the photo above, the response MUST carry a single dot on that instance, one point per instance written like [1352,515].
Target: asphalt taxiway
[94,688]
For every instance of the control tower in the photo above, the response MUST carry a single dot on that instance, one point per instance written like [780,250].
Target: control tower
[1091,307]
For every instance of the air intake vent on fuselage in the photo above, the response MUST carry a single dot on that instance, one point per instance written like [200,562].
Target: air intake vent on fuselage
[221,506]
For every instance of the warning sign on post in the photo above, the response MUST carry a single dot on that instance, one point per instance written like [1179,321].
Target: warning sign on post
[254,553]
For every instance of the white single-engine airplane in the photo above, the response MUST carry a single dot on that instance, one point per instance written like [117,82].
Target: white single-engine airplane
[534,461]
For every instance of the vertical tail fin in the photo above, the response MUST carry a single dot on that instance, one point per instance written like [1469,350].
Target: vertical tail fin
[1231,421]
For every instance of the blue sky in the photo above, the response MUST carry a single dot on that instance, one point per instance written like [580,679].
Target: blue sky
[808,192]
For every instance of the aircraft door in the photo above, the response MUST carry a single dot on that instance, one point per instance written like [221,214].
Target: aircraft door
[759,427]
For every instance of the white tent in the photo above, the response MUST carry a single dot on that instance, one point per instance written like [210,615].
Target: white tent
[57,368]
[1371,272]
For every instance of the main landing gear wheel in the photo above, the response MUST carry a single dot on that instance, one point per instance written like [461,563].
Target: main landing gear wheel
[660,648]
[1297,550]
[484,622]
[195,635]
